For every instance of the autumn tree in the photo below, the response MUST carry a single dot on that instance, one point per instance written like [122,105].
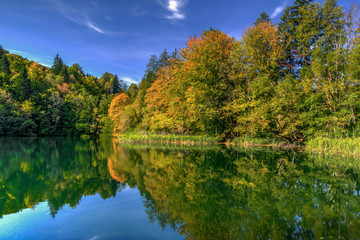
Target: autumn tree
[255,71]
[197,86]
[116,113]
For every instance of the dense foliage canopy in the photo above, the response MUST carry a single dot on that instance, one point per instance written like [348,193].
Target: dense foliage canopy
[61,100]
[293,80]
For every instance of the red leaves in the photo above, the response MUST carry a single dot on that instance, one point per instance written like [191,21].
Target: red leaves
[64,89]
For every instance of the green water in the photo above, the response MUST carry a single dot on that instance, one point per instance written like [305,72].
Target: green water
[96,189]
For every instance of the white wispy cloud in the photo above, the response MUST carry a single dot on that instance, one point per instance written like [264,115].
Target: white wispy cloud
[43,60]
[128,80]
[95,237]
[91,25]
[74,14]
[279,9]
[17,52]
[175,7]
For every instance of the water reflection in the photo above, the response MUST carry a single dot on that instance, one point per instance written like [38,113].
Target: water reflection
[208,193]
[60,171]
[245,194]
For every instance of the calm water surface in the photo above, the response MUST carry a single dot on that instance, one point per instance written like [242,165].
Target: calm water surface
[96,189]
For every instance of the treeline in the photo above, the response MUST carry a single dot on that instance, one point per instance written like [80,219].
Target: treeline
[61,100]
[293,80]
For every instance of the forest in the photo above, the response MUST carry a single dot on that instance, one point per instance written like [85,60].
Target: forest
[293,80]
[57,101]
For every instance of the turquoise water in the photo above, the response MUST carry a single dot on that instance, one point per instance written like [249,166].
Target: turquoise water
[60,188]
[122,217]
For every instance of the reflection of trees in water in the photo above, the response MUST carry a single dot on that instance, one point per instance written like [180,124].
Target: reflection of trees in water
[60,170]
[212,193]
[228,194]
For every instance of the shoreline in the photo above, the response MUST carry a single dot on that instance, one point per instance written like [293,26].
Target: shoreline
[324,145]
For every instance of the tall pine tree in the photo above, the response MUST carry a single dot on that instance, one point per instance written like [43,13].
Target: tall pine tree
[264,17]
[58,65]
[299,28]
[115,85]
[5,65]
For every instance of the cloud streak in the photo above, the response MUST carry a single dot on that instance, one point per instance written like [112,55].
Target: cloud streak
[279,9]
[17,52]
[92,26]
[128,80]
[175,7]
[74,15]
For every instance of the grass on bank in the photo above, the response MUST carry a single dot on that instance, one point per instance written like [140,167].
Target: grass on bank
[248,142]
[166,138]
[163,138]
[347,146]
[337,163]
[343,146]
[177,147]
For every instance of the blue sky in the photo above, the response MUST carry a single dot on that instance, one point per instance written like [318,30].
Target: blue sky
[119,36]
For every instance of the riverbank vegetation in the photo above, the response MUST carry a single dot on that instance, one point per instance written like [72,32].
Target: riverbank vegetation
[289,82]
[167,138]
[347,146]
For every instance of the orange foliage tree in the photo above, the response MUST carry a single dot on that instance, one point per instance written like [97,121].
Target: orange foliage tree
[264,49]
[188,95]
[116,112]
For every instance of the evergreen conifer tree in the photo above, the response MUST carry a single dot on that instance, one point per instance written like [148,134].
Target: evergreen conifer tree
[264,17]
[115,85]
[5,65]
[57,66]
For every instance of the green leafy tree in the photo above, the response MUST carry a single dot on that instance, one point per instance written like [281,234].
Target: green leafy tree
[20,86]
[64,73]
[132,91]
[5,65]
[76,73]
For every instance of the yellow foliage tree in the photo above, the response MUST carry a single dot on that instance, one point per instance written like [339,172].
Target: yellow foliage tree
[117,114]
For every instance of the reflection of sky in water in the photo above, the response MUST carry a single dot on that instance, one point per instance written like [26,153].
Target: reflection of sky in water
[204,193]
[122,217]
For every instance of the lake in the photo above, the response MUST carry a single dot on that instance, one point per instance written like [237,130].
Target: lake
[69,188]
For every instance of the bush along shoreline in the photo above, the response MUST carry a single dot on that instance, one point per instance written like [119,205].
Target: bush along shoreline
[165,138]
[342,146]
[144,137]
[349,146]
